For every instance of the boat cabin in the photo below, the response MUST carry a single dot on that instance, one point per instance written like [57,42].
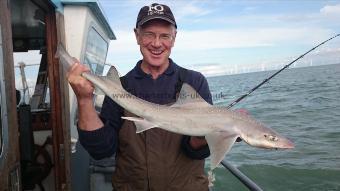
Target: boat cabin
[38,136]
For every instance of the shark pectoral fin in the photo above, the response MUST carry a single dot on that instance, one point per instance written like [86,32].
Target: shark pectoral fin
[220,144]
[144,125]
[141,124]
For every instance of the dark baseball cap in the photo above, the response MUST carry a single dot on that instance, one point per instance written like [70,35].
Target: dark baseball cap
[155,11]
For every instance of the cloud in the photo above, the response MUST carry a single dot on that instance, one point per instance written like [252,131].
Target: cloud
[329,14]
[124,52]
[187,40]
[127,10]
[190,10]
[331,10]
[126,42]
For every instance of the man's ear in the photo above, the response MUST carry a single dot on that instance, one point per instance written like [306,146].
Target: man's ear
[173,42]
[136,35]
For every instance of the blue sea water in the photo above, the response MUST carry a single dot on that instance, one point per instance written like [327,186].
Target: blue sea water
[302,104]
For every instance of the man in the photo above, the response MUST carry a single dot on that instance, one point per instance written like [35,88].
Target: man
[155,159]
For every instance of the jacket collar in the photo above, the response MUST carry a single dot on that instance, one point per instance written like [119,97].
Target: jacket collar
[139,73]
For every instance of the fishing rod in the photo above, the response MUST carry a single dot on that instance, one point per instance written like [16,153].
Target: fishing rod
[267,79]
[235,171]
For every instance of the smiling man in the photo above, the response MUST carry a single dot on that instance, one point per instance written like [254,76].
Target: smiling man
[155,159]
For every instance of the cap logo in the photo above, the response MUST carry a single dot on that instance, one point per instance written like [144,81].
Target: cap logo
[156,9]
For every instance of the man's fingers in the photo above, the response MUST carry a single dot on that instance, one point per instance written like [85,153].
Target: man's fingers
[76,70]
[72,70]
[82,88]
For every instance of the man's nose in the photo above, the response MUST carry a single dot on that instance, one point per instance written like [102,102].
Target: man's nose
[156,42]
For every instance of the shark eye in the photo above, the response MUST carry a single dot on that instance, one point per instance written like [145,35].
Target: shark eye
[271,137]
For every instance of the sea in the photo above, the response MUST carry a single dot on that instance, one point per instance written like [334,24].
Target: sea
[303,104]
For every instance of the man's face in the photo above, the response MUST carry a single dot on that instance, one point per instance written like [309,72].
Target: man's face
[156,38]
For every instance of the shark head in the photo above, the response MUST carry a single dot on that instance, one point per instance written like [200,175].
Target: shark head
[263,137]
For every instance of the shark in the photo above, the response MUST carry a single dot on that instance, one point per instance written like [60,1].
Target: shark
[189,115]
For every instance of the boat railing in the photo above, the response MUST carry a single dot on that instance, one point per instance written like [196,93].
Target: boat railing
[246,181]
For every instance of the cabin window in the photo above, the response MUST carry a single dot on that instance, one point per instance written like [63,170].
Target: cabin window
[27,65]
[95,52]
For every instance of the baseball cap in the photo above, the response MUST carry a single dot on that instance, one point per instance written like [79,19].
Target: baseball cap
[155,11]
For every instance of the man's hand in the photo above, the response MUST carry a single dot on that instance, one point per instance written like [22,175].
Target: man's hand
[81,86]
[88,118]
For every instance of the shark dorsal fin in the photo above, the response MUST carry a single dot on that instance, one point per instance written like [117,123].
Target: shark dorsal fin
[113,75]
[188,97]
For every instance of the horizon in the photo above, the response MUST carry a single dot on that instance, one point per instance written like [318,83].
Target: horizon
[273,70]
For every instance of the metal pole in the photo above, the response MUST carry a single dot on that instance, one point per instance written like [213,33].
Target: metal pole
[24,81]
[243,178]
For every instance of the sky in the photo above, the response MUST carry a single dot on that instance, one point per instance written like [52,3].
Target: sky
[218,37]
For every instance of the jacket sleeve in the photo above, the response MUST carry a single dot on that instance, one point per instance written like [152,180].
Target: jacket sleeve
[103,142]
[200,84]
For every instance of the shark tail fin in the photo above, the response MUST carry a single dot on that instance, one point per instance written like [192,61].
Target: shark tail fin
[64,57]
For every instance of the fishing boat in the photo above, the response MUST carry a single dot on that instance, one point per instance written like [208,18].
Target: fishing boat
[39,148]
[38,137]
